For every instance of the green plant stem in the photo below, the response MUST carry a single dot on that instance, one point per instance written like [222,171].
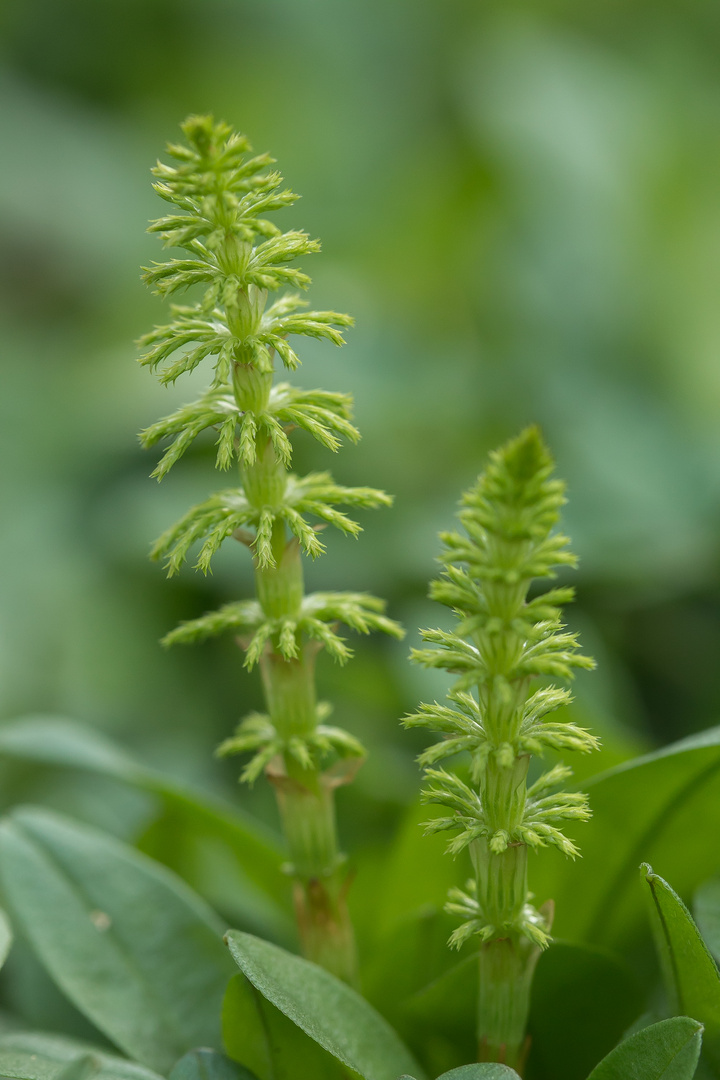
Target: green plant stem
[508,518]
[320,879]
[506,971]
[305,794]
[307,810]
[506,963]
[220,196]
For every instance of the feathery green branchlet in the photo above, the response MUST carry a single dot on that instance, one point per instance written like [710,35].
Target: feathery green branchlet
[503,641]
[220,195]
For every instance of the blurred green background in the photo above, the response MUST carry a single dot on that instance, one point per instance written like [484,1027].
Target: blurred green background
[520,204]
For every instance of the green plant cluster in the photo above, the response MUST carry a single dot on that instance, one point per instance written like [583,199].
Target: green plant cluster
[118,964]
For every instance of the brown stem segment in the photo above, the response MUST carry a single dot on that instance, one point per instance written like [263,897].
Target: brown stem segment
[326,931]
[320,878]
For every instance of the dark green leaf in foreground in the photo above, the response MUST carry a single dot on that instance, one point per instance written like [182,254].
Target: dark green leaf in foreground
[583,1000]
[440,1018]
[416,873]
[646,809]
[665,1051]
[130,944]
[330,1012]
[205,1064]
[489,1071]
[31,1056]
[691,975]
[262,1038]
[204,854]
[54,741]
[404,961]
[476,1072]
[84,1067]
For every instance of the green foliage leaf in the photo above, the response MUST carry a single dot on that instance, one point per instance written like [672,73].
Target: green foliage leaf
[204,1064]
[417,873]
[665,1051]
[130,944]
[403,963]
[85,1067]
[407,958]
[583,999]
[485,1071]
[441,1017]
[691,975]
[49,740]
[646,809]
[255,849]
[477,1072]
[205,859]
[330,1012]
[262,1038]
[32,1056]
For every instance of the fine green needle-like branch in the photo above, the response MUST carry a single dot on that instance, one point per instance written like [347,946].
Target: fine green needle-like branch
[230,257]
[497,716]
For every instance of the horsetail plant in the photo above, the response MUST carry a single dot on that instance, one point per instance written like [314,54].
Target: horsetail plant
[502,643]
[220,195]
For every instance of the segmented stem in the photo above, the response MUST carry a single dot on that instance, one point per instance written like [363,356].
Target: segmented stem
[502,643]
[305,795]
[220,194]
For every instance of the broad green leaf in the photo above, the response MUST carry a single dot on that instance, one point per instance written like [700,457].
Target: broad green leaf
[204,856]
[32,1056]
[330,1012]
[489,1071]
[129,943]
[417,873]
[477,1072]
[647,809]
[665,1051]
[37,1002]
[204,1064]
[54,741]
[583,1000]
[84,1067]
[407,959]
[260,1037]
[706,908]
[440,1019]
[691,975]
